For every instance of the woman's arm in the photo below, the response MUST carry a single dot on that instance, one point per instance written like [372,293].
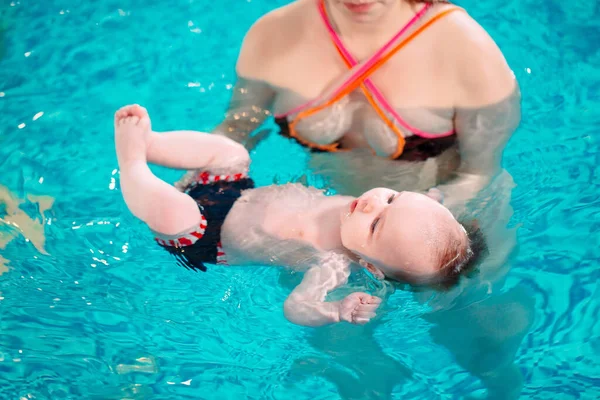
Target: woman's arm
[252,97]
[306,304]
[488,110]
[249,107]
[482,136]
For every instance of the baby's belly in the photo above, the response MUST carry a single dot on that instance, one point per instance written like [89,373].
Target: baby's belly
[255,230]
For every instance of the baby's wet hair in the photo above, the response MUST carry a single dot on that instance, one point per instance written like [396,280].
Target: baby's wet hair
[457,258]
[461,256]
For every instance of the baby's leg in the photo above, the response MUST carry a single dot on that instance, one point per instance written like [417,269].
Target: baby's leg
[190,150]
[162,207]
[176,149]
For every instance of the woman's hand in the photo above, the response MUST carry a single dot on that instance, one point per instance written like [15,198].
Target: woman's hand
[436,194]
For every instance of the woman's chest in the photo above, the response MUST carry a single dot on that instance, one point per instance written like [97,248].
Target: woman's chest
[414,77]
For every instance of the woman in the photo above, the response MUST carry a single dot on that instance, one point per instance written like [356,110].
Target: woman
[416,82]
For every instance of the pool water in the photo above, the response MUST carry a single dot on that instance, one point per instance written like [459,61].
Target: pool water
[90,309]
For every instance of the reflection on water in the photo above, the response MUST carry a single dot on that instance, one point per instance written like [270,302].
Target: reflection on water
[481,330]
[484,337]
[17,222]
[143,364]
[353,361]
[349,356]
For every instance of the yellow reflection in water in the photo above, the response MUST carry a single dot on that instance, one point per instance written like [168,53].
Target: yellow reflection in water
[16,222]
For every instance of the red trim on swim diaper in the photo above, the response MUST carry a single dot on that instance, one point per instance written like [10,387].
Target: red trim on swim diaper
[221,259]
[188,239]
[206,177]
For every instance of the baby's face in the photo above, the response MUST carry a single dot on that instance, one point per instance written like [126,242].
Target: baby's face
[398,232]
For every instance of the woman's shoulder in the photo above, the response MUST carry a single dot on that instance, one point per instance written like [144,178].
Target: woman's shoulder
[460,25]
[276,33]
[476,61]
[460,37]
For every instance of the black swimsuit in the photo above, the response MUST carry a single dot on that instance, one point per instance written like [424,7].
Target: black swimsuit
[415,149]
[215,196]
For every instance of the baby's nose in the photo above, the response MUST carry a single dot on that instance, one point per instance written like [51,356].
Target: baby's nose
[367,205]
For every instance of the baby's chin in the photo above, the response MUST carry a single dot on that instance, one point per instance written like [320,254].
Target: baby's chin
[345,213]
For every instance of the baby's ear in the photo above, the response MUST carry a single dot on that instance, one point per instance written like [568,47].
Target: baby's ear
[372,269]
[435,194]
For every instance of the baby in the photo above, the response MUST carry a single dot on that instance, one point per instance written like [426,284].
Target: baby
[214,215]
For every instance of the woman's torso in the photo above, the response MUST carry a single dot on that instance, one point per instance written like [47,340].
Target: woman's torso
[417,82]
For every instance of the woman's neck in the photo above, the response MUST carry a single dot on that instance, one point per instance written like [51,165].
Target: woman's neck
[371,31]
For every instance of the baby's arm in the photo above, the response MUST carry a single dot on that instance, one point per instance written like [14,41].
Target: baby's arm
[306,305]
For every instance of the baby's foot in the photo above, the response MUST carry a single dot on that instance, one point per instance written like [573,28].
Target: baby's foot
[132,132]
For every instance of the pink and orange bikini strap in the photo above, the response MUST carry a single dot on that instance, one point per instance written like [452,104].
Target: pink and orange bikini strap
[370,90]
[358,79]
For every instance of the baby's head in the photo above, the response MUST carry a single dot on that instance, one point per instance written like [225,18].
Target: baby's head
[405,236]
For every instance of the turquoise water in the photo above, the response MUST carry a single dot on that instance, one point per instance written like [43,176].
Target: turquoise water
[98,312]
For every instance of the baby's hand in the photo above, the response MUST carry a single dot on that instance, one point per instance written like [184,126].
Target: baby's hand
[358,308]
